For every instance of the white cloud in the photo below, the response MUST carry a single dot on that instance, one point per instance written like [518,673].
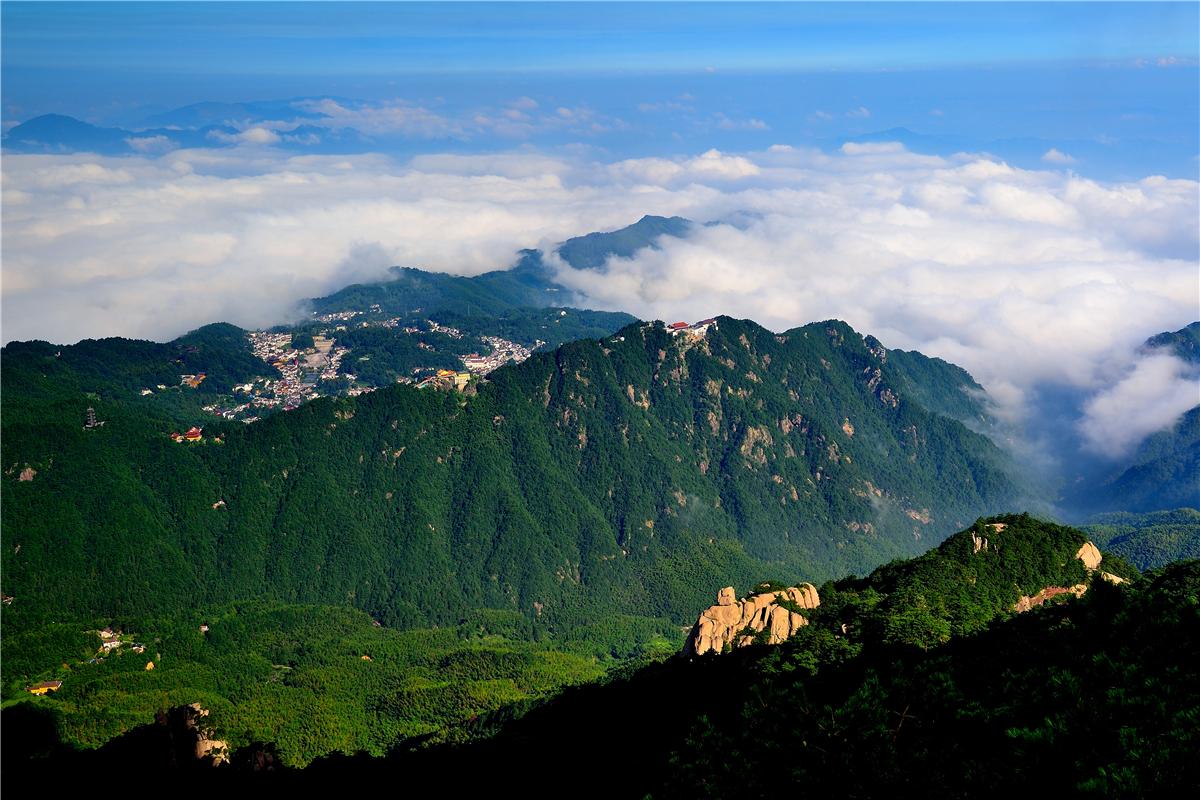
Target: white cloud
[871,148]
[820,116]
[524,123]
[1149,398]
[1024,277]
[150,144]
[257,135]
[1056,156]
[386,118]
[712,165]
[862,112]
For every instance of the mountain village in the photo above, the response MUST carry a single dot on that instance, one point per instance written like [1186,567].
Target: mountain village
[306,373]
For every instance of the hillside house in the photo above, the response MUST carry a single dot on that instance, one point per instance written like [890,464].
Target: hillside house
[89,420]
[44,687]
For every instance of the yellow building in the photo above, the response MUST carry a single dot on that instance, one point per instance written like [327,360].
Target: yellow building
[44,687]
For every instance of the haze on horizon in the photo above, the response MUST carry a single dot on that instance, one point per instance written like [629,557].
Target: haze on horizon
[1011,187]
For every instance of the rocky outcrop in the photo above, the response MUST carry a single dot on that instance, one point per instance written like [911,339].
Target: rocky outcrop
[736,622]
[1027,602]
[1088,553]
[206,749]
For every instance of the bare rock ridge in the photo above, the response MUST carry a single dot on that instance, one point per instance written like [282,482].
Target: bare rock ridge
[737,623]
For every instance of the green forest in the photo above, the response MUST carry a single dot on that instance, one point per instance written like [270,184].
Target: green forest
[418,577]
[1091,696]
[919,677]
[311,680]
[628,475]
[1149,540]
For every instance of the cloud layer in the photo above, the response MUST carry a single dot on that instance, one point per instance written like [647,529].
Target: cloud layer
[1156,392]
[1023,277]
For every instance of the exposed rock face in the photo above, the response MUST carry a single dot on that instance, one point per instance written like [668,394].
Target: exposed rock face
[1027,602]
[1089,554]
[213,751]
[734,622]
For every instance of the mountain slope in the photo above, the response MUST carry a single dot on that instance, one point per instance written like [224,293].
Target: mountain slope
[55,133]
[1151,540]
[44,381]
[415,291]
[1089,696]
[633,475]
[529,283]
[1183,343]
[592,250]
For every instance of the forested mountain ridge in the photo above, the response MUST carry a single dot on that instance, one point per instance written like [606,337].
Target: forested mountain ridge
[1149,540]
[414,291]
[628,475]
[35,371]
[1183,343]
[590,251]
[529,283]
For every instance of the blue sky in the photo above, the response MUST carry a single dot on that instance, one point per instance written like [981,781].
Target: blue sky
[1119,81]
[314,39]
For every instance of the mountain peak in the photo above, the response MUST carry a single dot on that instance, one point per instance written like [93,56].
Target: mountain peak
[592,250]
[1183,343]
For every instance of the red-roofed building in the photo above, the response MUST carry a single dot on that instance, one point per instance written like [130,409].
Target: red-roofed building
[677,326]
[194,434]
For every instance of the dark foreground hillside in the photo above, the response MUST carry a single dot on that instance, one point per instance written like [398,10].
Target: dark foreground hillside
[903,683]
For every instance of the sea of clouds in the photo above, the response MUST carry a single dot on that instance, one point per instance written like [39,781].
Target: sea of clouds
[1024,277]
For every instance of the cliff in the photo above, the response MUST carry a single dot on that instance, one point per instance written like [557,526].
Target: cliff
[737,623]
